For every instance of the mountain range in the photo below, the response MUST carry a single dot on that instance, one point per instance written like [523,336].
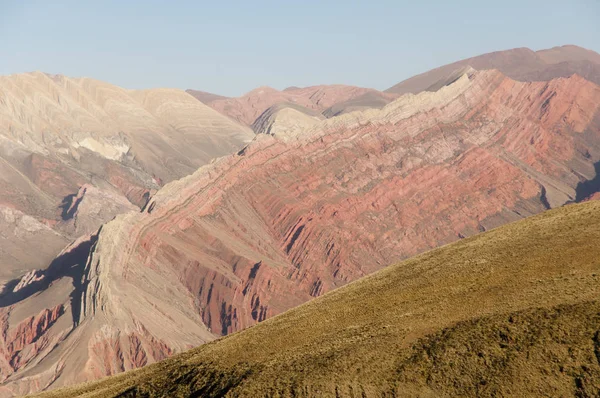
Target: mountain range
[165,221]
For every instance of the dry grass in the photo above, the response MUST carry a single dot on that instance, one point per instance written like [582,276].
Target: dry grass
[508,312]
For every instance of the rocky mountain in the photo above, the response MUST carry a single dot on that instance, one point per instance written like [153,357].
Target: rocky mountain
[520,64]
[511,312]
[59,134]
[293,216]
[329,100]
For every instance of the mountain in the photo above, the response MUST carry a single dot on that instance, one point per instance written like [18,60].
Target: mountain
[511,312]
[247,108]
[59,134]
[291,217]
[520,64]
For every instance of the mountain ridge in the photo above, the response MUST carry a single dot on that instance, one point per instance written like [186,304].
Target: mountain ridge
[522,64]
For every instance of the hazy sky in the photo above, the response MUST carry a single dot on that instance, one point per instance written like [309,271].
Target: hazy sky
[230,47]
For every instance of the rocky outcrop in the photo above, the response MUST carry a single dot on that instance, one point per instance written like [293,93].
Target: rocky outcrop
[520,64]
[291,217]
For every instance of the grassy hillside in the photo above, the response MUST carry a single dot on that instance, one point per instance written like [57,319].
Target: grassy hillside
[508,312]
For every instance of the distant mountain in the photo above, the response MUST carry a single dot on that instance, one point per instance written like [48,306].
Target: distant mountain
[247,108]
[293,216]
[511,312]
[520,64]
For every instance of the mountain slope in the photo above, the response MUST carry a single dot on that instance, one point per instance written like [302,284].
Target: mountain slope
[161,128]
[289,218]
[58,134]
[508,312]
[521,64]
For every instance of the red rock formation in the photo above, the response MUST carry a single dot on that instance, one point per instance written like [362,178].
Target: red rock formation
[110,354]
[292,217]
[24,341]
[286,220]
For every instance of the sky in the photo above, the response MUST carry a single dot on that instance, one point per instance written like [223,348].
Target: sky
[231,47]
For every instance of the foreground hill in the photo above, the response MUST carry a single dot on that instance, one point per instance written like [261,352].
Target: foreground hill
[59,134]
[521,64]
[291,217]
[511,312]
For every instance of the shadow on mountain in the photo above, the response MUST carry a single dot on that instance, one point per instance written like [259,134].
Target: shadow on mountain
[70,264]
[587,188]
[69,205]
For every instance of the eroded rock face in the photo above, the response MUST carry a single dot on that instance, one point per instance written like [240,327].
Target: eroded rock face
[292,217]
